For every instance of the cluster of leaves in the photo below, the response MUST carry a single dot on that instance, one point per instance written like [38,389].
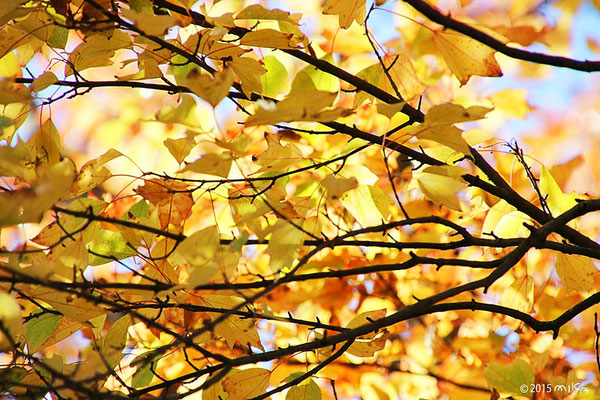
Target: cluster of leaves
[336,219]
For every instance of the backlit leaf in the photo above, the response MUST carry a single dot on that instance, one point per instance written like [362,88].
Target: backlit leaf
[269,38]
[210,89]
[465,56]
[508,378]
[284,245]
[247,383]
[576,272]
[211,164]
[12,323]
[347,11]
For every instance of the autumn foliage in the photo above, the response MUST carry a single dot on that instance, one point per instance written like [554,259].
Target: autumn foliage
[239,200]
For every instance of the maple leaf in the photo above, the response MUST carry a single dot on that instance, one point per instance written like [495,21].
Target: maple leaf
[347,11]
[465,56]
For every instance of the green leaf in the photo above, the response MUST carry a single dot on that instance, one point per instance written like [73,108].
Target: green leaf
[306,390]
[276,79]
[39,328]
[509,378]
[110,244]
[143,375]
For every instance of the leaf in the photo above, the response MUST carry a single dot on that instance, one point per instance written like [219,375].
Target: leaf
[149,23]
[257,11]
[249,72]
[211,164]
[299,106]
[144,373]
[234,329]
[43,81]
[312,78]
[172,199]
[368,348]
[270,38]
[576,272]
[210,89]
[13,93]
[504,221]
[307,390]
[438,125]
[29,205]
[284,245]
[76,308]
[39,328]
[465,56]
[368,204]
[336,187]
[519,295]
[508,378]
[278,157]
[440,184]
[366,318]
[185,113]
[180,148]
[93,173]
[347,11]
[401,70]
[96,51]
[115,340]
[12,323]
[276,79]
[247,383]
[557,201]
[49,329]
[111,245]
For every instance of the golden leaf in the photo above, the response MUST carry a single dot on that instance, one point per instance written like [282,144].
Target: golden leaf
[465,56]
[347,11]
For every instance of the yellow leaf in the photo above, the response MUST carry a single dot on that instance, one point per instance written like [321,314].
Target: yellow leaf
[270,38]
[366,318]
[210,89]
[46,144]
[13,93]
[234,328]
[180,148]
[465,56]
[557,201]
[93,173]
[519,295]
[43,81]
[249,72]
[257,11]
[247,383]
[96,51]
[149,23]
[368,204]
[76,308]
[284,245]
[307,390]
[504,221]
[28,205]
[576,272]
[184,113]
[347,11]
[338,186]
[368,348]
[278,157]
[211,164]
[12,323]
[449,113]
[440,184]
[299,106]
